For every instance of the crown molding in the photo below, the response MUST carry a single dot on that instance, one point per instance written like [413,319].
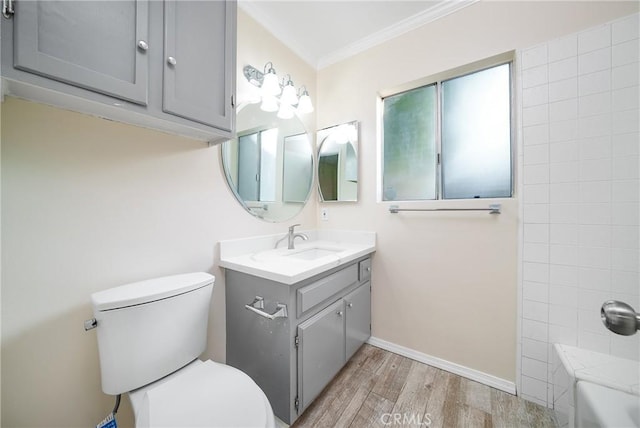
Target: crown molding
[438,11]
[285,37]
[428,15]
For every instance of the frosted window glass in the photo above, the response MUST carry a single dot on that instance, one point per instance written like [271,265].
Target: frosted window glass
[476,135]
[409,135]
[268,159]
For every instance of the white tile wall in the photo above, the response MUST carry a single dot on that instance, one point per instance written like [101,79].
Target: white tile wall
[563,69]
[595,148]
[536,135]
[625,76]
[566,47]
[563,131]
[597,38]
[563,275]
[591,62]
[536,213]
[581,204]
[593,83]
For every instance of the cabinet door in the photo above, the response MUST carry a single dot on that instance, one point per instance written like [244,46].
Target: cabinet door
[90,44]
[320,352]
[198,69]
[358,318]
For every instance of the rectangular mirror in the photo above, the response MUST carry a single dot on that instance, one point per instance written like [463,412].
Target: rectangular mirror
[338,163]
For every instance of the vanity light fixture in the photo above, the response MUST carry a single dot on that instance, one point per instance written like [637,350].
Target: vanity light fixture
[278,96]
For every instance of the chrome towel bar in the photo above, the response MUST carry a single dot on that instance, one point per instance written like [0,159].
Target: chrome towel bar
[493,209]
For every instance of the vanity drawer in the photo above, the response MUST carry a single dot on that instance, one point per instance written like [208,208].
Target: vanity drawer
[324,288]
[365,270]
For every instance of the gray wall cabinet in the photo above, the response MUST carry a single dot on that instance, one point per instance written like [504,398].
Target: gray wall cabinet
[293,358]
[60,40]
[166,65]
[196,75]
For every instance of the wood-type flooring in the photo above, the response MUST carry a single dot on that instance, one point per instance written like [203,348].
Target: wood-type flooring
[377,388]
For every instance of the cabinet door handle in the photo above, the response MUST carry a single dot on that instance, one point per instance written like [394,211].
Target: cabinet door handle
[257,307]
[7,8]
[350,305]
[143,45]
[339,313]
[172,61]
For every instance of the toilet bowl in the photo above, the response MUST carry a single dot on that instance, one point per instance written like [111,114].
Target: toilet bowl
[202,394]
[150,334]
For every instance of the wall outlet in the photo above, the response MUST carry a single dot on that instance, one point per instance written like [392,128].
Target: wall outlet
[324,214]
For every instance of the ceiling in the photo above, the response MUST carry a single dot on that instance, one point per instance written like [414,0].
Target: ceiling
[323,32]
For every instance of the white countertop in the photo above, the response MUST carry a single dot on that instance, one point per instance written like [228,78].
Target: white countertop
[257,256]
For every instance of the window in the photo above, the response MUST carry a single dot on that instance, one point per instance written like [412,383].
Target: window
[450,139]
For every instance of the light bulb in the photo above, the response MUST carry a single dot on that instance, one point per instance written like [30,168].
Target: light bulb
[286,111]
[289,95]
[270,84]
[304,105]
[269,103]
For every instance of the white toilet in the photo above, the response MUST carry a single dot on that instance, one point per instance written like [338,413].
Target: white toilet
[150,334]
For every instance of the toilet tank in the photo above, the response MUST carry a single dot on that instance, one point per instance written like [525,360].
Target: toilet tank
[149,329]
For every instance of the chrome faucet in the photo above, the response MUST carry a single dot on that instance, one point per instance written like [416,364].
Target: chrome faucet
[291,236]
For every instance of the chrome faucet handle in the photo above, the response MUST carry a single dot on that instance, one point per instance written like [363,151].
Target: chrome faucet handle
[291,228]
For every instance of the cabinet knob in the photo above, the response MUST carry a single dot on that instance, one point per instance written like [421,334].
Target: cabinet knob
[339,313]
[368,269]
[143,45]
[350,305]
[172,61]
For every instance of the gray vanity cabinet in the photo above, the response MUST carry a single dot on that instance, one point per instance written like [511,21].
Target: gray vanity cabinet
[293,358]
[329,339]
[93,45]
[166,65]
[321,350]
[357,318]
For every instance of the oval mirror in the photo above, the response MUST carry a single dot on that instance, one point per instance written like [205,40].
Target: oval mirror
[269,165]
[338,163]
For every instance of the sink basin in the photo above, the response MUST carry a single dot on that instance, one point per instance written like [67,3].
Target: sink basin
[314,253]
[306,253]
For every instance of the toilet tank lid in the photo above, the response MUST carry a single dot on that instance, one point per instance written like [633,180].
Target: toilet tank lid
[149,291]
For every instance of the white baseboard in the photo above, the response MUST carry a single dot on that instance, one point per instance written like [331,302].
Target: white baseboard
[478,376]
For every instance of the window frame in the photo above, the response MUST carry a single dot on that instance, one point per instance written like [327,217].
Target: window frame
[437,80]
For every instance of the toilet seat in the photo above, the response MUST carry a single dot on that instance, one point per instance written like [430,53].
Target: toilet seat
[202,394]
